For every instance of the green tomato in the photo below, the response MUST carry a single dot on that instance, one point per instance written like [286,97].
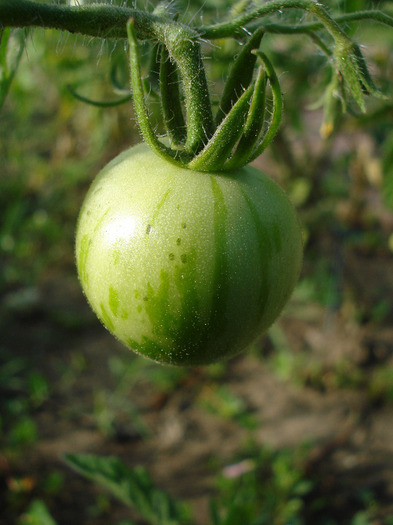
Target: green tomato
[185,267]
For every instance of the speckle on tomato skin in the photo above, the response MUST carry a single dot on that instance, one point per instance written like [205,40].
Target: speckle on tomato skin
[239,259]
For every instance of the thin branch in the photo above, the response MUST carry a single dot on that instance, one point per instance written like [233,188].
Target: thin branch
[96,20]
[109,21]
[375,16]
[236,26]
[102,21]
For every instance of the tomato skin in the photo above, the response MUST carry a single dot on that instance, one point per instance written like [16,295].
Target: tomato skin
[184,267]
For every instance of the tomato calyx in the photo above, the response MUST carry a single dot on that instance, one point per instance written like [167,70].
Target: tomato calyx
[238,132]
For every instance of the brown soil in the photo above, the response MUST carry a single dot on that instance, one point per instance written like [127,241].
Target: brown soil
[348,429]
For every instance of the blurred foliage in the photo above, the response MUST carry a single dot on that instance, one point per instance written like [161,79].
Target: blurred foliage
[37,514]
[51,147]
[22,391]
[133,487]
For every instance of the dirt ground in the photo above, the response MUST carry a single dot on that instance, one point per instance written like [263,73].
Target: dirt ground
[349,431]
[322,377]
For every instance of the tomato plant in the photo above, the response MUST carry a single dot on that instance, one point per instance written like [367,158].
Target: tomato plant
[185,252]
[186,267]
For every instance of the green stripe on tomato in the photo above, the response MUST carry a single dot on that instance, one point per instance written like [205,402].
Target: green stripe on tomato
[185,267]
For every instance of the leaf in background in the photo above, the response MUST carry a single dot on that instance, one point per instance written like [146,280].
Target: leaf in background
[387,169]
[12,44]
[132,487]
[37,514]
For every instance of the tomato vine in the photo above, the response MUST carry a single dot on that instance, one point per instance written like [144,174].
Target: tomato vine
[189,268]
[234,136]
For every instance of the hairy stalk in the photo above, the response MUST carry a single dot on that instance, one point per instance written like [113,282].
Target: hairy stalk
[97,20]
[375,16]
[186,51]
[109,21]
[226,29]
[201,142]
[139,99]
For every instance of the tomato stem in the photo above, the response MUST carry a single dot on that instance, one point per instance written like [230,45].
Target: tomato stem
[139,100]
[171,100]
[238,132]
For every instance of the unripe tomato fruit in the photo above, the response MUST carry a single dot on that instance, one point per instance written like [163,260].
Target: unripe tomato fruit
[185,267]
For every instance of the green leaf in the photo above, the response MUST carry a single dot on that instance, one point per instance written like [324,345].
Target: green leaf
[131,486]
[37,514]
[12,44]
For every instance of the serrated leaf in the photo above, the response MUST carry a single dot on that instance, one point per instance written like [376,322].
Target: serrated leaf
[131,486]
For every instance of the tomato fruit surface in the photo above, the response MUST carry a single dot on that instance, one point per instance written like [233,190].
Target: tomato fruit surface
[185,267]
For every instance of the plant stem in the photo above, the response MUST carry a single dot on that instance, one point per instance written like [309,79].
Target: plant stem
[102,21]
[109,21]
[376,16]
[237,26]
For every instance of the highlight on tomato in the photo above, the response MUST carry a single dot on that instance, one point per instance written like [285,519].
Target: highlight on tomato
[185,252]
[186,267]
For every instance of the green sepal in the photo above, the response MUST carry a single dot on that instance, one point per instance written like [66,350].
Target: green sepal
[240,75]
[147,131]
[334,105]
[277,107]
[153,79]
[366,81]
[171,99]
[352,66]
[253,125]
[217,150]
